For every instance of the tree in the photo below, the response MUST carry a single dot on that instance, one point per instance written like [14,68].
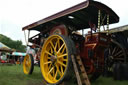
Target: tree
[17,45]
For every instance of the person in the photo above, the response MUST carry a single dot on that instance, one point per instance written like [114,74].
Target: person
[0,55]
[0,58]
[21,59]
[30,50]
[4,57]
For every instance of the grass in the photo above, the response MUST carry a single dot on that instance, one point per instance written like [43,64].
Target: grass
[109,81]
[13,75]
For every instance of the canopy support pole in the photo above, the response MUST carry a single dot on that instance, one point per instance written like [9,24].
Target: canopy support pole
[99,15]
[28,36]
[25,37]
[107,24]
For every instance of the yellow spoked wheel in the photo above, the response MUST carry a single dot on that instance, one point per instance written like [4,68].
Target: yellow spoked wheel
[55,59]
[28,64]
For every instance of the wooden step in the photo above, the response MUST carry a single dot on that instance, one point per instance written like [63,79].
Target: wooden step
[82,69]
[76,71]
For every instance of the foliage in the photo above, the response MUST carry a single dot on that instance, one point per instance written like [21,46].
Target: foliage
[14,44]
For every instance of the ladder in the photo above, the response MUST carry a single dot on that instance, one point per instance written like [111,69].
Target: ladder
[84,79]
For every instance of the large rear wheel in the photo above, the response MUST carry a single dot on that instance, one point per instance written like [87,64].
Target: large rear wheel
[55,59]
[114,55]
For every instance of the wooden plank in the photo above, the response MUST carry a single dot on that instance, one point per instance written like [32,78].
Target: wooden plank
[76,71]
[83,71]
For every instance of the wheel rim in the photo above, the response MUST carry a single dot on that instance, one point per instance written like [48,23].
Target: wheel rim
[54,59]
[27,64]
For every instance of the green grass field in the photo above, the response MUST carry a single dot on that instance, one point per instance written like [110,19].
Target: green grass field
[109,81]
[13,75]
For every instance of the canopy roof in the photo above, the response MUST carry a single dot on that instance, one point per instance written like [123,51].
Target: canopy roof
[18,54]
[5,48]
[77,16]
[120,29]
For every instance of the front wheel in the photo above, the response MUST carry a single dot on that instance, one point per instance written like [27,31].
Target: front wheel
[28,64]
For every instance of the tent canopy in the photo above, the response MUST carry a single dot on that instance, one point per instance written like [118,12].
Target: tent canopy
[5,48]
[18,54]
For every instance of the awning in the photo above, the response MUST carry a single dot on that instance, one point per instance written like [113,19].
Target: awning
[18,54]
[5,48]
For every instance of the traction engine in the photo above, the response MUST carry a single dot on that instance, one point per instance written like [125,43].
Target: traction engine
[61,40]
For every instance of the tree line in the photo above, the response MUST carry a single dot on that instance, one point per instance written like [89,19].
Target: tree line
[13,44]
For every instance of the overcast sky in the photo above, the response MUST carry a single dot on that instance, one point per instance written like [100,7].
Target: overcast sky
[15,14]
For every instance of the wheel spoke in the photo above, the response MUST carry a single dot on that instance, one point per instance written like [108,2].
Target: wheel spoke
[53,72]
[51,50]
[52,44]
[50,71]
[62,55]
[118,53]
[25,64]
[48,57]
[58,71]
[27,69]
[29,63]
[26,59]
[61,47]
[55,75]
[62,70]
[114,50]
[50,66]
[119,58]
[48,53]
[61,63]
[29,60]
[65,59]
[56,46]
[47,62]
[110,51]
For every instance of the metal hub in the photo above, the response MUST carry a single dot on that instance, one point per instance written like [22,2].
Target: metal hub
[53,59]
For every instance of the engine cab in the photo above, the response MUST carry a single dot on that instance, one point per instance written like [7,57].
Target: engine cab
[95,44]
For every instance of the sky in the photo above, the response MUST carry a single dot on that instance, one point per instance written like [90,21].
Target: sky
[15,14]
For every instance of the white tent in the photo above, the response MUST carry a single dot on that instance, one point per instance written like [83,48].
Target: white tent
[5,48]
